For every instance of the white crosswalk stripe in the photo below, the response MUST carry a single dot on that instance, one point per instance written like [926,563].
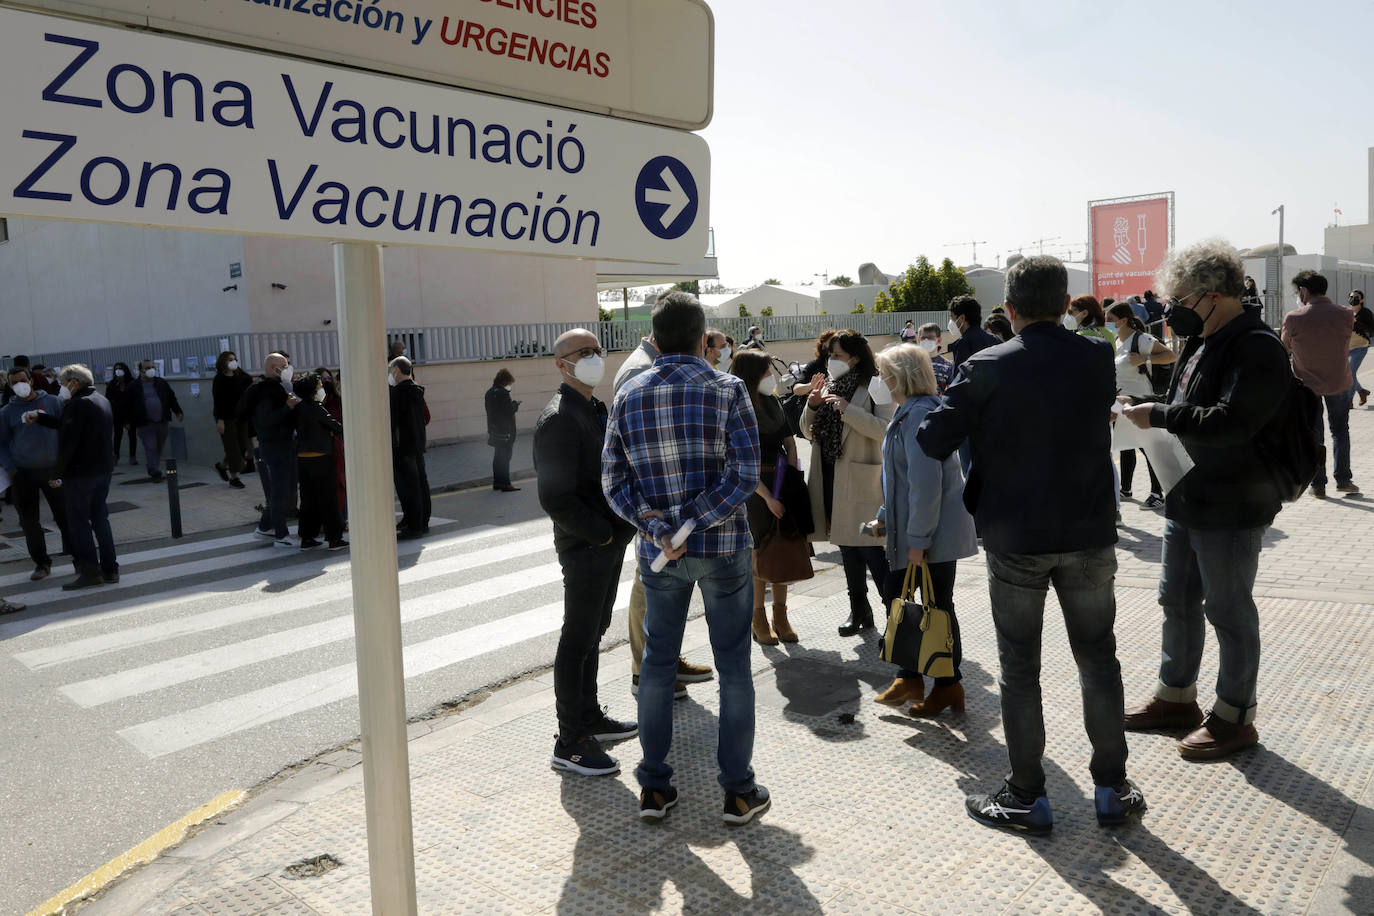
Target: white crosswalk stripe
[206,656]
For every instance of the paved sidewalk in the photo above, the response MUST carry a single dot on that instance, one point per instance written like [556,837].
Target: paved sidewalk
[867,814]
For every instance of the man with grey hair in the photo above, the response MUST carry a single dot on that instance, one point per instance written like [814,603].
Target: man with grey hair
[269,404]
[1035,411]
[84,466]
[1233,376]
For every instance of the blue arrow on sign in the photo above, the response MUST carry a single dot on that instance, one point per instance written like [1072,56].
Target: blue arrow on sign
[666,197]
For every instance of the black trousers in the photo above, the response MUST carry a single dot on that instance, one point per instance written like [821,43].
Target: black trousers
[590,577]
[120,428]
[88,525]
[942,581]
[412,489]
[856,560]
[1128,473]
[24,489]
[500,463]
[319,498]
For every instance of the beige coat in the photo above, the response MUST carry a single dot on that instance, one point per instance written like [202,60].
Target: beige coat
[858,473]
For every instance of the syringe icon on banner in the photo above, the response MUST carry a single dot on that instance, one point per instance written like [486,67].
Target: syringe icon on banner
[1140,235]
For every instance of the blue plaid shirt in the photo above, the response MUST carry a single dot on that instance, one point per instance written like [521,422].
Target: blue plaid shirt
[683,440]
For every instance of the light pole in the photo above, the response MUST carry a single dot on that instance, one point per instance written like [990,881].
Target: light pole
[1279,292]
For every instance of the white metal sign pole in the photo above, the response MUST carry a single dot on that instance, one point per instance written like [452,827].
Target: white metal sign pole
[376,593]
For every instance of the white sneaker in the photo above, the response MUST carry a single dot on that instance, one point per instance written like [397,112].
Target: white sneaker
[283,542]
[267,535]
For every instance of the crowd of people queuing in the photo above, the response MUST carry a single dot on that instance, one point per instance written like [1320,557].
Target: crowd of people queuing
[919,454]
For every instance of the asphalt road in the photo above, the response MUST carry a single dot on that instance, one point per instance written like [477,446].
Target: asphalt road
[215,663]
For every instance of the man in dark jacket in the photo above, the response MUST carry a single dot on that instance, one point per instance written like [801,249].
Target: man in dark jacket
[1037,412]
[84,465]
[269,407]
[1232,377]
[28,453]
[408,449]
[964,319]
[590,539]
[501,429]
[152,404]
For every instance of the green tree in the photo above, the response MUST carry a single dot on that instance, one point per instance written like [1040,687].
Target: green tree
[952,282]
[689,286]
[858,309]
[924,288]
[841,280]
[772,283]
[766,312]
[744,310]
[603,315]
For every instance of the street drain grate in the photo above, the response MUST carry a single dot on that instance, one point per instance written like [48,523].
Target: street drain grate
[312,867]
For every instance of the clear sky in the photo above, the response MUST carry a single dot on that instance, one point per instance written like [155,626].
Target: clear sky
[877,130]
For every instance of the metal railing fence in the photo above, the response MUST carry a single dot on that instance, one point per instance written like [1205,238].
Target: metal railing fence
[194,357]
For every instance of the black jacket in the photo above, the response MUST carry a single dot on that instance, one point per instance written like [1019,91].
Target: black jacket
[970,342]
[1364,323]
[501,413]
[568,438]
[84,433]
[408,419]
[227,391]
[1240,382]
[315,428]
[1037,413]
[264,405]
[117,393]
[138,410]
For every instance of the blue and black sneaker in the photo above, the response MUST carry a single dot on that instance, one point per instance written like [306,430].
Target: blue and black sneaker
[1006,811]
[1116,806]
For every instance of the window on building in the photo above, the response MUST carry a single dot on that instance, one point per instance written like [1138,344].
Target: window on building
[4,230]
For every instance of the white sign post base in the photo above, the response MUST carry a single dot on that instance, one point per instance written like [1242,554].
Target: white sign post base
[376,593]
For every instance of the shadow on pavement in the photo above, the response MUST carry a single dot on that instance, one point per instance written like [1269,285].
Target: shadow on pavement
[820,690]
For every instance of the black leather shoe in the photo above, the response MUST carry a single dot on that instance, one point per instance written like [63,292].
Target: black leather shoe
[857,623]
[87,581]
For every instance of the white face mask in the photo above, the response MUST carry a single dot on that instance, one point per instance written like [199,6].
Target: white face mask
[64,393]
[590,370]
[878,390]
[287,374]
[1069,322]
[150,372]
[510,387]
[22,390]
[233,365]
[725,355]
[1297,299]
[953,327]
[836,368]
[391,379]
[768,385]
[319,394]
[119,373]
[929,345]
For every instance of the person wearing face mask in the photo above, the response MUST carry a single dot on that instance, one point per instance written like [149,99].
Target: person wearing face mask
[1317,332]
[922,518]
[845,419]
[964,324]
[590,540]
[1360,337]
[315,434]
[501,429]
[776,508]
[227,390]
[333,405]
[755,341]
[408,419]
[1232,377]
[117,391]
[83,469]
[396,348]
[718,352]
[1136,352]
[816,366]
[1087,318]
[929,341]
[28,453]
[152,403]
[268,407]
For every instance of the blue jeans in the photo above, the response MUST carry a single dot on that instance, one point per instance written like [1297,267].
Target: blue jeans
[1356,358]
[88,525]
[727,589]
[1337,409]
[1083,581]
[1211,573]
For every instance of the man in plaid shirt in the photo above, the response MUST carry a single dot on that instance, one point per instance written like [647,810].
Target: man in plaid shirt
[682,445]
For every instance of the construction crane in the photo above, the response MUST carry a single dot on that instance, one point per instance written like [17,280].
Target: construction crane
[974,244]
[1040,243]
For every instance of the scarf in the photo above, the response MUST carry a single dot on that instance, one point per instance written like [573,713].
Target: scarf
[828,427]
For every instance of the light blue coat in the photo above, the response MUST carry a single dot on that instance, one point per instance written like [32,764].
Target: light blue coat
[923,499]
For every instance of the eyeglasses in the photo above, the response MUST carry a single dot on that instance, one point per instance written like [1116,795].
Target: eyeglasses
[584,353]
[1176,301]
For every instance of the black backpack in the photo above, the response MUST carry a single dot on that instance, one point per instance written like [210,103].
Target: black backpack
[1290,444]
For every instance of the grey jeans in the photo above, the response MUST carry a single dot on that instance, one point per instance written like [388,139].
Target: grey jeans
[1083,581]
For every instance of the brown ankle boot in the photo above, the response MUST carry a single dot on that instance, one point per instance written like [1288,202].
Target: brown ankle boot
[782,626]
[948,696]
[763,635]
[901,691]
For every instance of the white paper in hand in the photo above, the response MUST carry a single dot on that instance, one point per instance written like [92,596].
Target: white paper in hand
[677,540]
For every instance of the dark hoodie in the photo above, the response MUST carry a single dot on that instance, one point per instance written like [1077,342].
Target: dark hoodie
[408,418]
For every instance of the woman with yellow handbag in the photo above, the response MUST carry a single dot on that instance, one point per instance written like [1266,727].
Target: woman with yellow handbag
[923,520]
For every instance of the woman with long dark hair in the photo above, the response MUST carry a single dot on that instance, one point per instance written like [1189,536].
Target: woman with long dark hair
[117,393]
[845,418]
[777,507]
[501,429]
[226,391]
[1136,351]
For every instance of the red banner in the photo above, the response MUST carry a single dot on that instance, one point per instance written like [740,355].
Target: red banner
[1130,240]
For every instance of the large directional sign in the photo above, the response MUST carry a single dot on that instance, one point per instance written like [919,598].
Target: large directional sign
[647,60]
[124,126]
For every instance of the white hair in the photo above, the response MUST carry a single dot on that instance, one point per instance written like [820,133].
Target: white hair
[79,372]
[1210,266]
